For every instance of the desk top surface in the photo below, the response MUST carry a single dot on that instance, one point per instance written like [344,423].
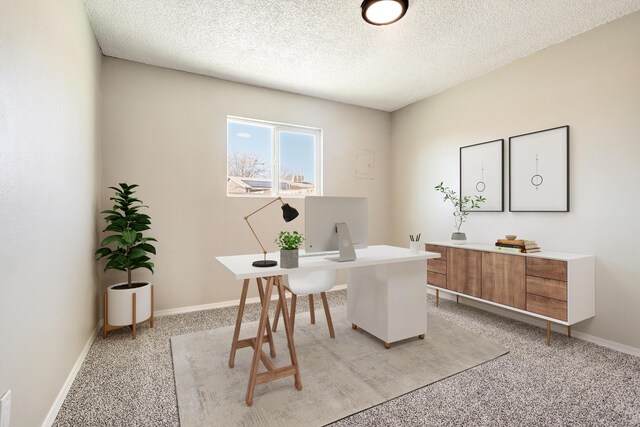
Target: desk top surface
[240,265]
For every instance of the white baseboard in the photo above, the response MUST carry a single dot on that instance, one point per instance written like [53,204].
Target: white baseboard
[232,303]
[623,348]
[57,404]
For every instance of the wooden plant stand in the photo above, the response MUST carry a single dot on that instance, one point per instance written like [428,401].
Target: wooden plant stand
[108,328]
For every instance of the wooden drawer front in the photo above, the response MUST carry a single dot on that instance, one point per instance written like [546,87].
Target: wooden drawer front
[442,250]
[547,306]
[550,288]
[547,268]
[464,271]
[503,279]
[437,279]
[437,266]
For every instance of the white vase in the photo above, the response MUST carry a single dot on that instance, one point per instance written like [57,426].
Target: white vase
[119,312]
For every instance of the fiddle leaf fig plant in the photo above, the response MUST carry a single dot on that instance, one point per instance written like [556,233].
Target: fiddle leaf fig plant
[289,241]
[461,205]
[126,247]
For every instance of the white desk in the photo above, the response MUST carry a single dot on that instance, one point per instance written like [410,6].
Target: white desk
[386,296]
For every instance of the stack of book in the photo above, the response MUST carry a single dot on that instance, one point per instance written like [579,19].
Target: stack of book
[518,246]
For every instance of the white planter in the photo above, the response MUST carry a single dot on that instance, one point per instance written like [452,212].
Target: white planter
[120,310]
[458,238]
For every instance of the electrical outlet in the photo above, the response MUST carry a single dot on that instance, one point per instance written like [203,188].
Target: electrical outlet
[5,409]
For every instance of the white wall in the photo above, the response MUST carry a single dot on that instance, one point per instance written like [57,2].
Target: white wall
[166,130]
[49,135]
[590,83]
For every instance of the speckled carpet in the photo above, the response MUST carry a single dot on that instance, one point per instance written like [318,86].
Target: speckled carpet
[125,382]
[340,376]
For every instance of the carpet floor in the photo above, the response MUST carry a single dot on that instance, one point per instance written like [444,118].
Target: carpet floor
[125,382]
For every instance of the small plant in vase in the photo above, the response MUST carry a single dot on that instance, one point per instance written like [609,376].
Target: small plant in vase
[289,243]
[461,206]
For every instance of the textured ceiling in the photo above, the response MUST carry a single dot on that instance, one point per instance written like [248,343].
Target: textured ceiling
[323,48]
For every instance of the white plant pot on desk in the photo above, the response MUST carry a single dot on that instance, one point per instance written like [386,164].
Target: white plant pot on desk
[119,305]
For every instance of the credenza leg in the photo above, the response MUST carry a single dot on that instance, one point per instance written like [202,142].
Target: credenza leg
[421,336]
[457,299]
[548,332]
[387,345]
[569,331]
[354,326]
[437,297]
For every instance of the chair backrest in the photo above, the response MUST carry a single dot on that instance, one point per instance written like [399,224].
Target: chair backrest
[310,283]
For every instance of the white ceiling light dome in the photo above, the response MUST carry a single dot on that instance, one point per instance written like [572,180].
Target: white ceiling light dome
[383,12]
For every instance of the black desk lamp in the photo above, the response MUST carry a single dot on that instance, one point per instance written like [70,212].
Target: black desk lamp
[288,214]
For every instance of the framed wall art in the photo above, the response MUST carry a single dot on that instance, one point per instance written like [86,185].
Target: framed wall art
[481,174]
[539,171]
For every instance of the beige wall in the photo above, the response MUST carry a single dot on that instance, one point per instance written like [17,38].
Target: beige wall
[166,130]
[49,136]
[590,83]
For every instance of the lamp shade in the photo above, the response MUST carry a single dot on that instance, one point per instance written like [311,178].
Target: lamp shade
[383,12]
[289,213]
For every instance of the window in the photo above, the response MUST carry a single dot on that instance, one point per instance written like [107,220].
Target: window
[272,159]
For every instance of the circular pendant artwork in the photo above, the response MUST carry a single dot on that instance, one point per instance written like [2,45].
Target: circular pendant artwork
[480,185]
[536,180]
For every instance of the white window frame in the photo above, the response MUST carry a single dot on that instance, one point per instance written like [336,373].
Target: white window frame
[276,128]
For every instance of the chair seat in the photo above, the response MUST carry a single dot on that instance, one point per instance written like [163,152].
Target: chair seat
[303,284]
[313,282]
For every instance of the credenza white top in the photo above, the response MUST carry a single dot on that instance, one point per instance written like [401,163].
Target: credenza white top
[240,265]
[487,247]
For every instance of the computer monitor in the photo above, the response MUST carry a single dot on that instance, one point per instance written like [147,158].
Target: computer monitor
[336,224]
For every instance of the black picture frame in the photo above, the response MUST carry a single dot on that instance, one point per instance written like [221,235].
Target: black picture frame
[482,173]
[539,171]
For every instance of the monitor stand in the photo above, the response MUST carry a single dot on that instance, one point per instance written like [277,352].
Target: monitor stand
[345,245]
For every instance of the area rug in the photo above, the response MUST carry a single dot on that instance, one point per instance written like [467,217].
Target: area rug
[340,376]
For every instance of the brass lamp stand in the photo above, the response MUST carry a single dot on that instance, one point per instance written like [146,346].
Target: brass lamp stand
[288,214]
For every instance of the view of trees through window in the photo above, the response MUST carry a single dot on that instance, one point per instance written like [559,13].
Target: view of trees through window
[255,150]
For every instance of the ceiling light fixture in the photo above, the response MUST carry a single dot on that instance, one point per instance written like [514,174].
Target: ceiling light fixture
[383,12]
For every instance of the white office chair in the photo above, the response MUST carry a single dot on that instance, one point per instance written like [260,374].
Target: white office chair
[301,284]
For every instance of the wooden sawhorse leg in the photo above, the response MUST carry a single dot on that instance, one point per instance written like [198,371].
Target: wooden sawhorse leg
[236,331]
[272,348]
[272,373]
[237,343]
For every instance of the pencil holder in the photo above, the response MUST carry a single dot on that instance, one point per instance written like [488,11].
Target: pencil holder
[415,247]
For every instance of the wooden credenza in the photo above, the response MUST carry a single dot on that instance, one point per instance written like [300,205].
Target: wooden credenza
[558,287]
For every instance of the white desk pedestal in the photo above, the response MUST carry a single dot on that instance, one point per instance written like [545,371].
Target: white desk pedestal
[389,300]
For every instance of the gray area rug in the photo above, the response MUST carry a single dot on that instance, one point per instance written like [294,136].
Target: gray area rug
[340,376]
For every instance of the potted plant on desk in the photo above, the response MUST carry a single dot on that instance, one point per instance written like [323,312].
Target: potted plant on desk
[461,206]
[289,244]
[127,303]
